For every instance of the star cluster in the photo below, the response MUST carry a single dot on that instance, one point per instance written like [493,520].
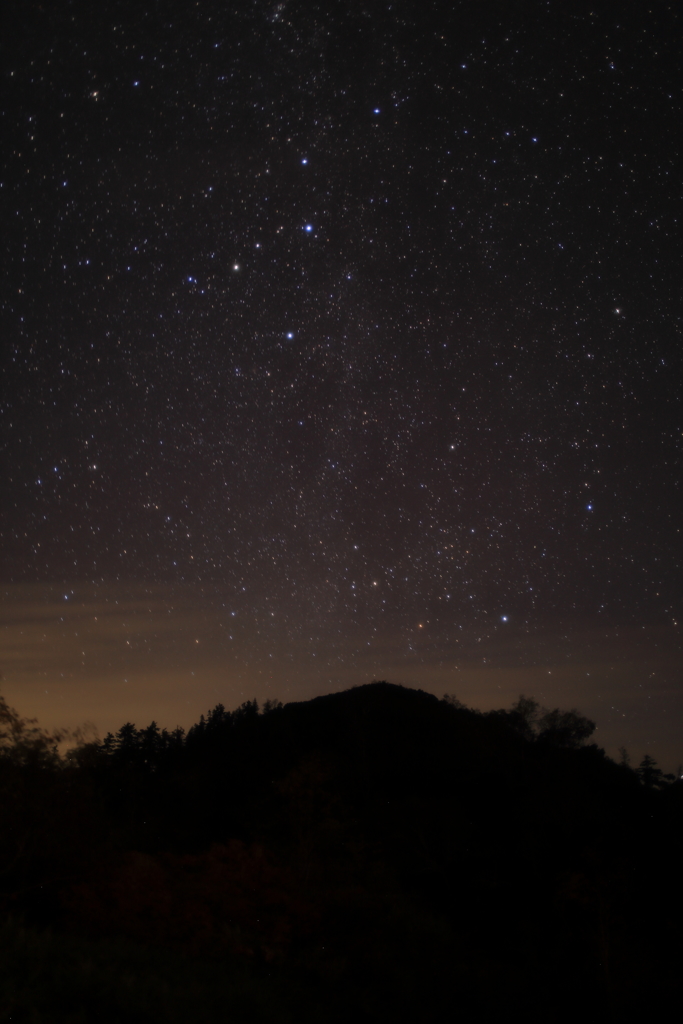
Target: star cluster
[366,316]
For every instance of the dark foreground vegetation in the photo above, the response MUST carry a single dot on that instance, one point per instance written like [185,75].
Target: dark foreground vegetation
[376,854]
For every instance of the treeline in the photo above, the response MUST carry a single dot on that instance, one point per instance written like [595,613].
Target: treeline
[375,852]
[152,749]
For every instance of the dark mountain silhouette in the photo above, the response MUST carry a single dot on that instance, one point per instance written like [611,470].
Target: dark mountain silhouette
[376,853]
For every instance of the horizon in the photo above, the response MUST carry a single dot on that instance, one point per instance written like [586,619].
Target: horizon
[342,344]
[154,656]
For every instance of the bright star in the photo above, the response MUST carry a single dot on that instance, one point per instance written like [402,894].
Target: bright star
[309,227]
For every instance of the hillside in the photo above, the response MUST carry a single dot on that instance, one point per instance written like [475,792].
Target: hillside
[374,853]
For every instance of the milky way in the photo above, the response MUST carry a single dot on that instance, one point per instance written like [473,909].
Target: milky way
[361,322]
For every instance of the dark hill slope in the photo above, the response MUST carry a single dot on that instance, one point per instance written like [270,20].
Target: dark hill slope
[389,853]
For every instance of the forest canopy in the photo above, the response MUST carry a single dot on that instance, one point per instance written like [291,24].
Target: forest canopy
[352,844]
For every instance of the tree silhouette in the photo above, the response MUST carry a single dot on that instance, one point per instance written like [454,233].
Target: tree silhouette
[564,728]
[355,840]
[651,774]
[528,711]
[22,741]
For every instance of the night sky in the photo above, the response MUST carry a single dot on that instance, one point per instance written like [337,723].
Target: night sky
[341,341]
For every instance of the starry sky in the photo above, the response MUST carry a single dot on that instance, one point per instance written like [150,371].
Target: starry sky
[341,341]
